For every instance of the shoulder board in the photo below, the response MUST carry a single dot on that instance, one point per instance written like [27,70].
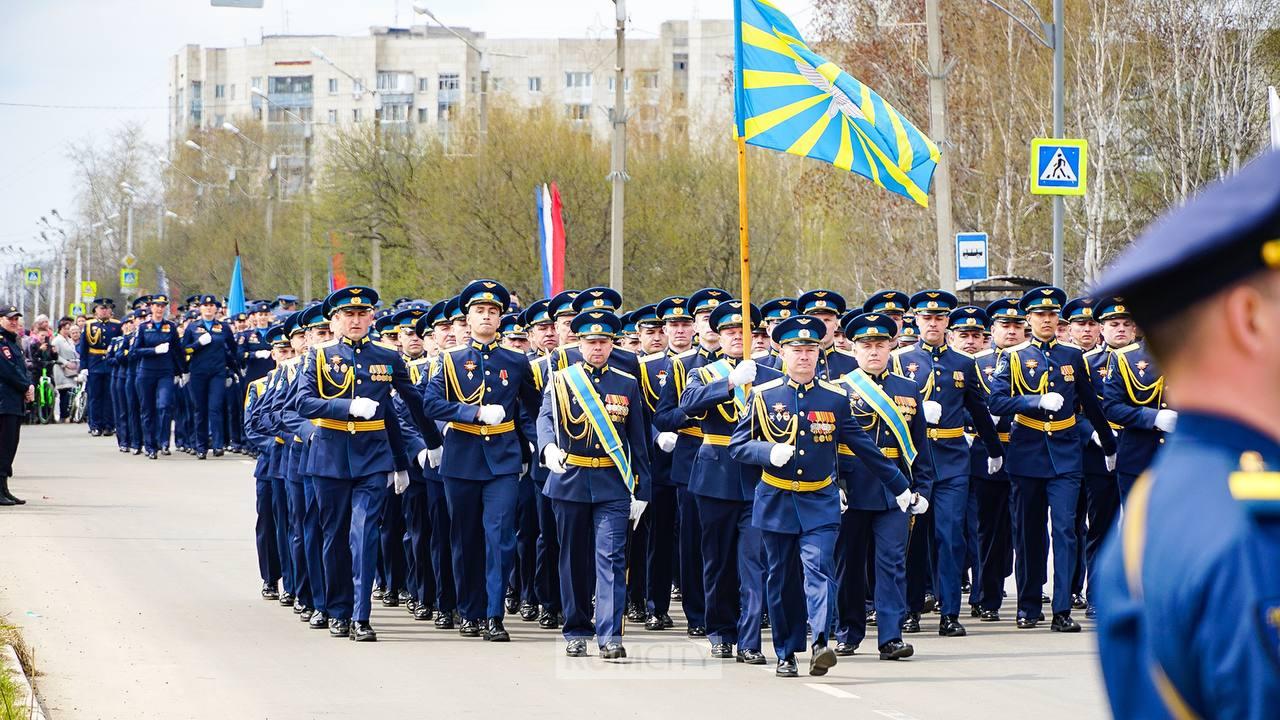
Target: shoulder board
[418,361]
[456,348]
[776,382]
[90,321]
[1127,348]
[260,384]
[962,353]
[901,350]
[846,353]
[761,355]
[325,344]
[1095,351]
[113,320]
[623,373]
[833,387]
[983,353]
[652,357]
[687,353]
[291,361]
[903,377]
[1020,346]
[386,345]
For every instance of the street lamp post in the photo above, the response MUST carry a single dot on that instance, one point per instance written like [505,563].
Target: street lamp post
[307,134]
[271,168]
[618,173]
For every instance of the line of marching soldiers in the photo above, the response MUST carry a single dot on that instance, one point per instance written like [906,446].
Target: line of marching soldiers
[154,377]
[831,469]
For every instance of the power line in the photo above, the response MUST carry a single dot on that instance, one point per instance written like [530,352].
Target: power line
[83,107]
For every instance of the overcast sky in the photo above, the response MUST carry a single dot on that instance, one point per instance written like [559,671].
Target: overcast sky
[113,54]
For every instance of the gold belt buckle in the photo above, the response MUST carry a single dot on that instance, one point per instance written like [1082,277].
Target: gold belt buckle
[484,429]
[351,427]
[595,462]
[933,433]
[795,486]
[1048,425]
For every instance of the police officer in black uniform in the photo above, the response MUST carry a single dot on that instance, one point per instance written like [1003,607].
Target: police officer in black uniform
[16,391]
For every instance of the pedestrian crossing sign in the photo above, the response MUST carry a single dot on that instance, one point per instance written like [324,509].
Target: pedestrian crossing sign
[1058,166]
[32,276]
[128,279]
[77,309]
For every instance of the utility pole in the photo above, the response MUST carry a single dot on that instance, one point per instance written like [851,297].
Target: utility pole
[1059,208]
[375,251]
[938,131]
[618,173]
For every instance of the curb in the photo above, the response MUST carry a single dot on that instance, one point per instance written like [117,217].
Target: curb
[10,664]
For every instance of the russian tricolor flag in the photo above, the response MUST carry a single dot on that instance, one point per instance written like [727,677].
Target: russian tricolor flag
[550,238]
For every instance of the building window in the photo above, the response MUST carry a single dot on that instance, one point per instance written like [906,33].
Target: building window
[357,86]
[626,85]
[333,117]
[218,120]
[355,115]
[577,111]
[449,81]
[256,82]
[535,84]
[680,63]
[289,85]
[282,114]
[219,91]
[395,113]
[333,86]
[232,96]
[649,80]
[423,115]
[400,82]
[577,79]
[424,84]
[444,111]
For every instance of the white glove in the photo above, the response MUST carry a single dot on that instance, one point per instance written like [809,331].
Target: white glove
[995,419]
[743,373]
[932,411]
[1051,402]
[204,339]
[920,506]
[185,379]
[262,354]
[667,441]
[1166,420]
[994,464]
[362,407]
[844,501]
[1111,463]
[84,375]
[162,348]
[491,414]
[637,509]
[401,481]
[553,457]
[228,382]
[433,456]
[1095,439]
[391,479]
[780,454]
[904,500]
[968,439]
[422,457]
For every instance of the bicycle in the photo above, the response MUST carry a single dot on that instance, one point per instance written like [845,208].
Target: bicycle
[79,403]
[46,398]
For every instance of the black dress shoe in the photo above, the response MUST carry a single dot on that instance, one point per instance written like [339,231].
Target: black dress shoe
[990,616]
[871,618]
[1044,599]
[411,606]
[822,660]
[1025,623]
[750,657]
[510,602]
[495,632]
[362,631]
[667,622]
[286,599]
[95,433]
[6,502]
[550,621]
[469,628]
[378,592]
[528,612]
[845,649]
[896,650]
[269,591]
[696,631]
[108,432]
[165,451]
[1091,611]
[676,594]
[444,620]
[722,651]
[305,615]
[764,621]
[153,455]
[1078,602]
[1062,622]
[219,453]
[635,613]
[339,628]
[653,623]
[201,455]
[576,647]
[787,667]
[965,587]
[912,623]
[137,451]
[612,650]
[975,611]
[423,612]
[930,603]
[950,627]
[318,621]
[390,600]
[298,607]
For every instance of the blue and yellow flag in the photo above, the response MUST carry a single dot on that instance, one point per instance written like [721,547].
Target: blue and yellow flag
[791,99]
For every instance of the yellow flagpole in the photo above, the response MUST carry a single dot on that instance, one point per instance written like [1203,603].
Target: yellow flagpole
[744,246]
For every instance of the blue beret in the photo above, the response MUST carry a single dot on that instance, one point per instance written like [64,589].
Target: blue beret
[1112,307]
[822,301]
[706,299]
[1045,297]
[886,301]
[562,303]
[729,314]
[646,316]
[933,302]
[1081,308]
[1005,309]
[354,296]
[675,307]
[598,298]
[871,326]
[799,330]
[595,324]
[778,309]
[511,326]
[490,292]
[968,318]
[538,313]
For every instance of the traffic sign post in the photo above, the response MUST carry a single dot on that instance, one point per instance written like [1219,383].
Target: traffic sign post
[32,276]
[77,309]
[1059,167]
[128,280]
[971,256]
[88,291]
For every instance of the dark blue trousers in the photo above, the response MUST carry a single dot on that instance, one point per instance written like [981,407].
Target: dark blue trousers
[120,408]
[421,576]
[155,395]
[482,529]
[313,545]
[233,413]
[391,539]
[350,509]
[280,509]
[133,403]
[801,586]
[920,560]
[265,535]
[548,560]
[732,572]
[857,530]
[593,560]
[660,519]
[297,541]
[690,541]
[446,599]
[208,400]
[524,570]
[1041,501]
[972,557]
[99,402]
[949,506]
[1096,512]
[995,539]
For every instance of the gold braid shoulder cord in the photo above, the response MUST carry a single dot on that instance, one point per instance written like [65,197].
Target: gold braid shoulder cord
[563,401]
[451,378]
[323,375]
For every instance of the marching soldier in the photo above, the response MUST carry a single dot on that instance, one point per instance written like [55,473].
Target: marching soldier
[95,340]
[541,327]
[659,520]
[265,530]
[593,439]
[158,351]
[212,348]
[117,361]
[828,306]
[522,595]
[773,312]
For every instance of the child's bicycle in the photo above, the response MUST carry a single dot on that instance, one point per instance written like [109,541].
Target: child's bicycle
[46,398]
[79,403]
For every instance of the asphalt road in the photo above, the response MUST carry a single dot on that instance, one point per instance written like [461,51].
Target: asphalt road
[136,583]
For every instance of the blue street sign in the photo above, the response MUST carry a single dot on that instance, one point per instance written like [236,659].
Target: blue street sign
[1059,167]
[971,256]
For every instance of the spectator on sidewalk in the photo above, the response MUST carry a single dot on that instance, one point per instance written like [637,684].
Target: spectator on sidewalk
[65,375]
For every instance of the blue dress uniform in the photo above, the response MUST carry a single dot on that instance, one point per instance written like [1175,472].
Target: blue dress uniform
[1133,395]
[446,588]
[133,399]
[724,490]
[995,531]
[350,456]
[254,351]
[159,355]
[1044,455]
[270,421]
[546,564]
[873,524]
[950,378]
[660,517]
[392,565]
[592,419]
[833,363]
[118,361]
[670,418]
[482,462]
[773,312]
[264,528]
[209,366]
[797,504]
[92,348]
